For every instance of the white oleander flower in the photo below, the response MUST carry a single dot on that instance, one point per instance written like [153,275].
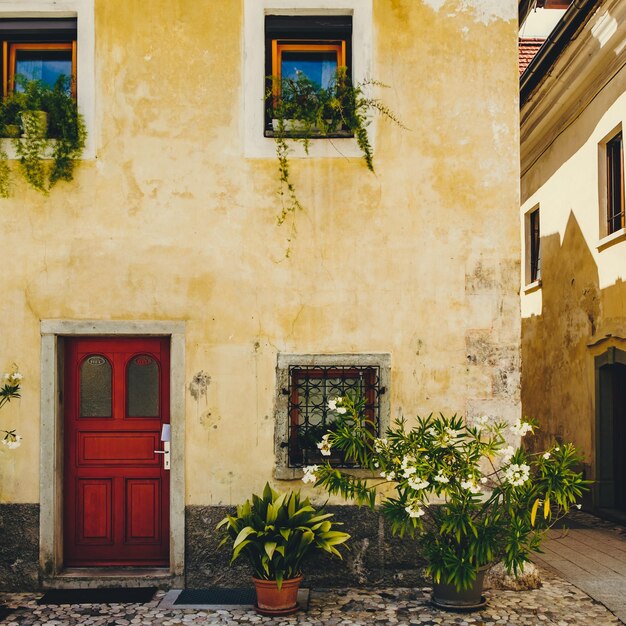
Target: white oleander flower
[417,483]
[309,474]
[471,486]
[12,440]
[332,404]
[414,509]
[324,445]
[546,455]
[380,444]
[13,378]
[517,475]
[521,428]
[440,478]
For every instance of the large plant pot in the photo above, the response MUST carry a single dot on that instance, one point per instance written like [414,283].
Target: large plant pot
[273,601]
[447,597]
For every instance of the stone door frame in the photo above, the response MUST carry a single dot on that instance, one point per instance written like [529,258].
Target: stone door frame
[51,437]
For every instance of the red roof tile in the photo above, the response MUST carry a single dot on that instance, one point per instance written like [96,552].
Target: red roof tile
[528,48]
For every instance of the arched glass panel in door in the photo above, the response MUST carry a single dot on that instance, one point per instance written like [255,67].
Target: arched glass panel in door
[142,386]
[95,387]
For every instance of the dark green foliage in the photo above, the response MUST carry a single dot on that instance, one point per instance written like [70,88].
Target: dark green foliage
[276,532]
[62,142]
[465,499]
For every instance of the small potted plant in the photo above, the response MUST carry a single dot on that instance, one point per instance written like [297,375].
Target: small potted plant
[276,532]
[51,129]
[467,496]
[300,110]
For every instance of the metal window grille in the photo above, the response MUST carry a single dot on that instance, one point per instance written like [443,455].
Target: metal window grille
[615,183]
[310,389]
[535,247]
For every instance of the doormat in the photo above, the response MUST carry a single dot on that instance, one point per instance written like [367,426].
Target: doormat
[217,595]
[5,611]
[118,595]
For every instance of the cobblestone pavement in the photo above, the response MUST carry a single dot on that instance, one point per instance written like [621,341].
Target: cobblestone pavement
[557,603]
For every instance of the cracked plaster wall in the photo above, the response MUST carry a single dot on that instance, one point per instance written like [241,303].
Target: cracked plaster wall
[170,221]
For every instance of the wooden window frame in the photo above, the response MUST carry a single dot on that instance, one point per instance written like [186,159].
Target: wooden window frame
[615,205]
[285,45]
[9,54]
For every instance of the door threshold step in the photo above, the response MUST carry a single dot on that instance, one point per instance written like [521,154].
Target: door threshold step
[95,578]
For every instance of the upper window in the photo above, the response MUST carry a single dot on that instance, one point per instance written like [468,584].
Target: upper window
[615,183]
[535,246]
[315,46]
[38,49]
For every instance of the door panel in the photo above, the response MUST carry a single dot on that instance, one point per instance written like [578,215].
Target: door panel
[115,488]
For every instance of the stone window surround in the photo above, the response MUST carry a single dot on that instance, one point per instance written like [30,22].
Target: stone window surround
[51,437]
[256,145]
[382,360]
[83,10]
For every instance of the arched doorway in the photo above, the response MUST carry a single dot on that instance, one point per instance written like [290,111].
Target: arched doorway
[611,430]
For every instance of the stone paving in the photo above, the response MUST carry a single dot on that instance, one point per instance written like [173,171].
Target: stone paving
[556,603]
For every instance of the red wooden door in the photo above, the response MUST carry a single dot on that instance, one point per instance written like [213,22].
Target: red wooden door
[116,492]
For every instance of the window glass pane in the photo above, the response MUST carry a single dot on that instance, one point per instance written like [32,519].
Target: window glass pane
[43,65]
[95,387]
[143,387]
[319,67]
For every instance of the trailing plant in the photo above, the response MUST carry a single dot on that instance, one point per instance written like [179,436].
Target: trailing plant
[276,532]
[10,390]
[49,145]
[301,110]
[467,496]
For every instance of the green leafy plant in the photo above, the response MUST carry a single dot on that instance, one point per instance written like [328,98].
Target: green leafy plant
[467,497]
[10,390]
[301,110]
[276,532]
[49,145]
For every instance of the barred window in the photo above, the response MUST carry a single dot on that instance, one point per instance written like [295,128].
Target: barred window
[309,416]
[306,383]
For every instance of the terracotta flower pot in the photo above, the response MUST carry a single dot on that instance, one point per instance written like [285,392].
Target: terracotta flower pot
[273,601]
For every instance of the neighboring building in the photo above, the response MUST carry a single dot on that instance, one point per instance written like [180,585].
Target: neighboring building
[573,111]
[154,288]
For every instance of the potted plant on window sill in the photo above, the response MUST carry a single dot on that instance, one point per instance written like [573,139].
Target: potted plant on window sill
[52,130]
[467,497]
[301,110]
[276,532]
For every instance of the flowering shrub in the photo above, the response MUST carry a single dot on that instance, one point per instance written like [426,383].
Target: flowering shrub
[10,390]
[468,496]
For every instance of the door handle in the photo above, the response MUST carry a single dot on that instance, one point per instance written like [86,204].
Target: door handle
[166,454]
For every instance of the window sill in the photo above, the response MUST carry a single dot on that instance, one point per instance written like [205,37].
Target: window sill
[315,134]
[534,286]
[612,239]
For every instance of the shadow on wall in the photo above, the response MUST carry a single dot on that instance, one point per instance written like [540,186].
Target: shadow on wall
[559,346]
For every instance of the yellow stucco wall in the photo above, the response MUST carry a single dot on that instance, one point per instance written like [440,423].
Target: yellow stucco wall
[580,310]
[171,222]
